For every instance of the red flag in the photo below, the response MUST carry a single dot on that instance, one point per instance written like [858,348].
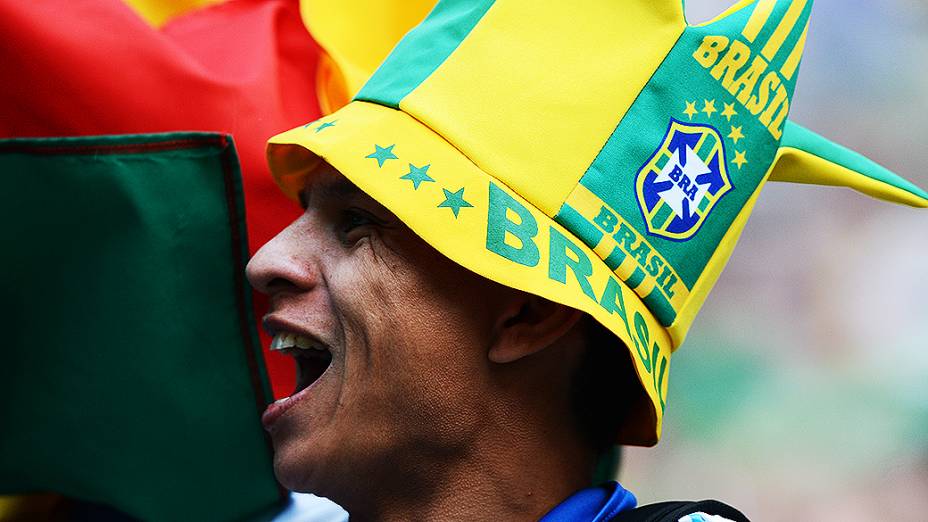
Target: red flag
[90,67]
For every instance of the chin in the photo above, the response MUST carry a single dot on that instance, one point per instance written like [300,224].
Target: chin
[295,469]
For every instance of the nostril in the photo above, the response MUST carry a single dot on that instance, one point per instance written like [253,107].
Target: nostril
[278,284]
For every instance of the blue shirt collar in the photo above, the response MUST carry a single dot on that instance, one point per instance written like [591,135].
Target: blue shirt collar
[596,504]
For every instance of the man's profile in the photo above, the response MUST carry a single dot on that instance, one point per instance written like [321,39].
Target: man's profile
[506,236]
[415,373]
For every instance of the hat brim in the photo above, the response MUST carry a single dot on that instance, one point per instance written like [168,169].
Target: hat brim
[450,208]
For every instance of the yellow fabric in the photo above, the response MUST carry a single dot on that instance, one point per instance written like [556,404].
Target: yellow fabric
[360,126]
[358,34]
[797,166]
[588,204]
[758,19]
[792,62]
[528,140]
[784,28]
[331,90]
[159,12]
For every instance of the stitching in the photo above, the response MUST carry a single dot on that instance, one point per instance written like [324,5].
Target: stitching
[125,148]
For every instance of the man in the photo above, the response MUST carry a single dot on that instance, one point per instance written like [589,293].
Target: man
[416,374]
[528,182]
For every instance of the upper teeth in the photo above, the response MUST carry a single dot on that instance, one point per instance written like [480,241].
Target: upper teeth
[289,340]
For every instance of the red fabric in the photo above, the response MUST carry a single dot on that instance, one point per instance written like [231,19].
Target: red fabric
[87,67]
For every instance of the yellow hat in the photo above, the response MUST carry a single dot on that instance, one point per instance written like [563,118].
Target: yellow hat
[601,154]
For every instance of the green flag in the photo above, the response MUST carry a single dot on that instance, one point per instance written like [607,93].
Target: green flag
[131,374]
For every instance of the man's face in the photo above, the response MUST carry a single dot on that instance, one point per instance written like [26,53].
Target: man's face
[407,331]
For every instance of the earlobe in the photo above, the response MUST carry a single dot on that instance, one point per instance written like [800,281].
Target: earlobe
[529,325]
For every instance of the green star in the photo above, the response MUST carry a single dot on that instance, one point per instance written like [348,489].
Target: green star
[417,175]
[382,154]
[326,125]
[454,201]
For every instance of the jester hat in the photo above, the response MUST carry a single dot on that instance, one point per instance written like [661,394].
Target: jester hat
[602,154]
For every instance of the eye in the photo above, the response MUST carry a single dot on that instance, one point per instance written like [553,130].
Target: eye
[354,223]
[357,218]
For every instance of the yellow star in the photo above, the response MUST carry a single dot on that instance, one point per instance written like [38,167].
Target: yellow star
[709,107]
[739,160]
[729,111]
[690,109]
[736,134]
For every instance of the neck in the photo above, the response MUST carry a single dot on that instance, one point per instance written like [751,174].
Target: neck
[519,465]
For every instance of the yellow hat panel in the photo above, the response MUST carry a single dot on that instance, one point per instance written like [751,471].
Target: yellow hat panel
[475,220]
[557,93]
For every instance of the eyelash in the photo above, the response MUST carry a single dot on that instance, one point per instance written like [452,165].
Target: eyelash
[354,219]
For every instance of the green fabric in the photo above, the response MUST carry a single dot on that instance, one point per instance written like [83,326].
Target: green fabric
[636,278]
[569,218]
[680,80]
[798,137]
[422,51]
[660,306]
[615,258]
[607,466]
[132,375]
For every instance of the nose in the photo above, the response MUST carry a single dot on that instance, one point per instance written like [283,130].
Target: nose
[285,263]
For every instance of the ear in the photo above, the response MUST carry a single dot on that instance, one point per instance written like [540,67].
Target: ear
[528,325]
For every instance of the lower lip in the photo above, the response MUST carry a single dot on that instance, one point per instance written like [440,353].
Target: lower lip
[276,409]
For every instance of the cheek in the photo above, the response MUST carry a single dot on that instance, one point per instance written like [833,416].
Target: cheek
[431,308]
[416,344]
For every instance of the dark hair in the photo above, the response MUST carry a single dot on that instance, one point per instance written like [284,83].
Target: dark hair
[605,388]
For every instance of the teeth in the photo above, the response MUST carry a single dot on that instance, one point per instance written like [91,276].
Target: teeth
[302,342]
[289,340]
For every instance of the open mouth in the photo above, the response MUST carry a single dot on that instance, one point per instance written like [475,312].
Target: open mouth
[312,358]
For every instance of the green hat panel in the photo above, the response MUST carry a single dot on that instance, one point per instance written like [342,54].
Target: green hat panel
[680,167]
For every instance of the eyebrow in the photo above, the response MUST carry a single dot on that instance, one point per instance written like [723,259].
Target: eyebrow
[340,188]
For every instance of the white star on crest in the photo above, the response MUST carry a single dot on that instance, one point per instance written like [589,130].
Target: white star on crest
[686,179]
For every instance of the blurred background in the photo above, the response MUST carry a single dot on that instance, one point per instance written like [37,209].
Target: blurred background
[801,392]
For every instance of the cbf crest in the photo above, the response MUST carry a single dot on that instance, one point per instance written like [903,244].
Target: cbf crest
[683,181]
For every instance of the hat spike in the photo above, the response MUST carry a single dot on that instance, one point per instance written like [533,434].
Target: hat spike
[806,157]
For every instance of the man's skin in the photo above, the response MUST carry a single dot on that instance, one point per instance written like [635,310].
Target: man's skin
[447,397]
